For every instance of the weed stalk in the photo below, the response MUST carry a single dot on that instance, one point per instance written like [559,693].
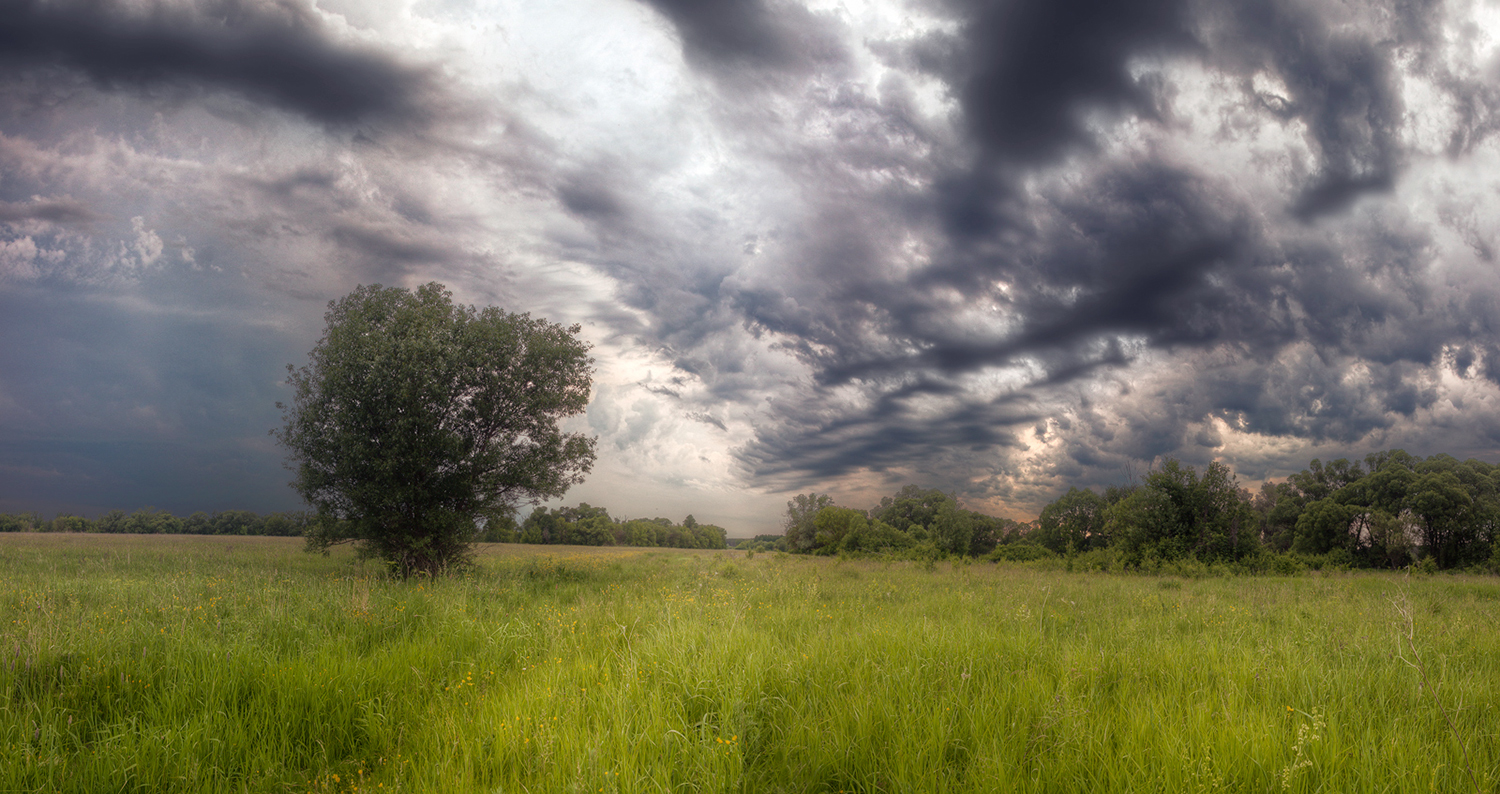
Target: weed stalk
[1408,633]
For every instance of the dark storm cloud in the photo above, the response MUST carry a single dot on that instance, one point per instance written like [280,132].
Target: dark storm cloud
[726,35]
[1141,250]
[811,443]
[1326,338]
[1029,74]
[1342,84]
[1028,71]
[1290,334]
[272,54]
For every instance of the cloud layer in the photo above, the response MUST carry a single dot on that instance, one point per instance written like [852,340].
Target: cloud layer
[1000,248]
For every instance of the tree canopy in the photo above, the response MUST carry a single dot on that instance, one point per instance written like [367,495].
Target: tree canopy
[417,421]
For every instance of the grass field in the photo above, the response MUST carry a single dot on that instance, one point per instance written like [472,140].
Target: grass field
[210,664]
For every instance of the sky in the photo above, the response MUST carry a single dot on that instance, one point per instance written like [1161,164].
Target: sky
[997,248]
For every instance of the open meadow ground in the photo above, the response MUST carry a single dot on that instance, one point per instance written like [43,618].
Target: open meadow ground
[211,664]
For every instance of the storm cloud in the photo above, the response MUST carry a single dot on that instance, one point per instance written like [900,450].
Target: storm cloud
[1001,248]
[272,54]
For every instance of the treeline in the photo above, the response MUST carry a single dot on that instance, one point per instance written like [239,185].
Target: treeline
[1390,511]
[586,525]
[915,522]
[583,525]
[150,521]
[1395,509]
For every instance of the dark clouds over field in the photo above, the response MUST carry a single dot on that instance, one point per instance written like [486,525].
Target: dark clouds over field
[999,248]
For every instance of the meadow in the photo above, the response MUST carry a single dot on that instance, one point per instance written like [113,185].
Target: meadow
[151,663]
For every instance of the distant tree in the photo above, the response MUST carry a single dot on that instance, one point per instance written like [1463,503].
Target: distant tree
[642,532]
[989,532]
[1376,461]
[112,522]
[1442,505]
[876,536]
[570,525]
[592,531]
[283,525]
[1175,514]
[17,523]
[1115,493]
[1225,523]
[801,513]
[501,529]
[416,420]
[912,507]
[768,542]
[709,536]
[1381,540]
[1321,482]
[1075,522]
[149,521]
[1277,508]
[928,514]
[71,523]
[832,524]
[236,522]
[541,526]
[1324,526]
[952,528]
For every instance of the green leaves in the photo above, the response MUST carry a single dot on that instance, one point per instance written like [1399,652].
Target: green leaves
[1175,513]
[1075,521]
[415,417]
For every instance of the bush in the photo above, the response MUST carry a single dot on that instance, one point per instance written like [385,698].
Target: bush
[1186,567]
[1102,560]
[1269,563]
[1020,552]
[926,551]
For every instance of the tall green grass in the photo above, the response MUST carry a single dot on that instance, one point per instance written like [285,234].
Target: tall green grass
[208,664]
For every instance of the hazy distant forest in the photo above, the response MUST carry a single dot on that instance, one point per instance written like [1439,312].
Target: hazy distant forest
[1390,510]
[583,525]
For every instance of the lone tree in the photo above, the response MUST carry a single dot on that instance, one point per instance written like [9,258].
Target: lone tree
[417,421]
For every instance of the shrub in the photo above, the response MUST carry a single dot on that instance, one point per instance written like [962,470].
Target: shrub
[1020,552]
